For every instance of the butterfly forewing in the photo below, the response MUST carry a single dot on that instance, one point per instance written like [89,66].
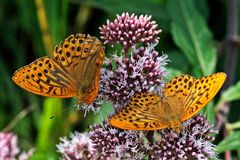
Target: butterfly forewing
[78,55]
[82,56]
[205,89]
[142,113]
[45,77]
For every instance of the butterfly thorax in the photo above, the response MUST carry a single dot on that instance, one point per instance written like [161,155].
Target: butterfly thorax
[172,116]
[86,93]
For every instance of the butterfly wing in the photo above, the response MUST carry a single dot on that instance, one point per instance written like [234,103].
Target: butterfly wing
[45,77]
[82,56]
[142,113]
[205,89]
[189,95]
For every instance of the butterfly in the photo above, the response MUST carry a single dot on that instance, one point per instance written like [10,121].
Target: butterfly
[73,71]
[182,98]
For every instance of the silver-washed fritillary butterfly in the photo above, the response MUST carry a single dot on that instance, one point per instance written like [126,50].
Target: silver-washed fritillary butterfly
[73,71]
[183,97]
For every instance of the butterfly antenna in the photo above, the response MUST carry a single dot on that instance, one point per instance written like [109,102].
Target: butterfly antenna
[61,112]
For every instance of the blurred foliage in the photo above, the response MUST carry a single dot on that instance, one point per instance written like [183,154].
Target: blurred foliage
[192,32]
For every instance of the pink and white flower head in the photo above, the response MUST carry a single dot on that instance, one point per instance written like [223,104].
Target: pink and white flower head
[8,146]
[143,71]
[128,30]
[116,144]
[9,149]
[78,147]
[194,142]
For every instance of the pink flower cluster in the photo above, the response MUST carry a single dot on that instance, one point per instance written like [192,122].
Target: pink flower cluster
[9,149]
[8,146]
[77,147]
[194,142]
[141,72]
[128,30]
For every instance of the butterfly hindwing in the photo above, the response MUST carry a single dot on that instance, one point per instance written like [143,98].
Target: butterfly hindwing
[141,114]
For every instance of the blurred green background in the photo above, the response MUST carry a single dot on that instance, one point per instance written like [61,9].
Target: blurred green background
[200,37]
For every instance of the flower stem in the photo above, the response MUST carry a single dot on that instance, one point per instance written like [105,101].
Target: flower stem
[20,116]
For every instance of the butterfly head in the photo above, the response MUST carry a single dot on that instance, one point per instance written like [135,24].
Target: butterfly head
[85,98]
[175,125]
[177,129]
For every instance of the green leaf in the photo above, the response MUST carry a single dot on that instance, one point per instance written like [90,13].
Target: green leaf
[178,61]
[209,112]
[192,36]
[231,142]
[173,72]
[56,18]
[46,156]
[106,109]
[238,153]
[202,7]
[231,94]
[49,128]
